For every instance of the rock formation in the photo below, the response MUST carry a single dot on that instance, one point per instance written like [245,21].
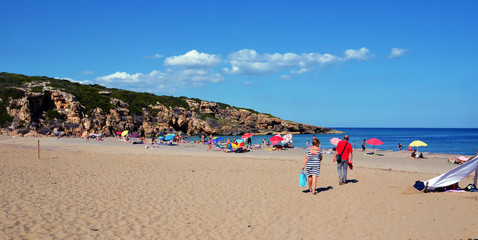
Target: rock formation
[51,111]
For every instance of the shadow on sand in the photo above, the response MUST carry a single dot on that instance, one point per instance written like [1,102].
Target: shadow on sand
[319,190]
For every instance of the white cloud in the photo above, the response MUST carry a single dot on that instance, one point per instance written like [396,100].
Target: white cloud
[285,77]
[157,55]
[249,62]
[73,80]
[397,52]
[195,69]
[196,77]
[121,77]
[361,54]
[88,72]
[193,59]
[161,81]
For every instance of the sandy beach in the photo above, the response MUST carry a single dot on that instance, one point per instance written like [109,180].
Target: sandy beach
[115,190]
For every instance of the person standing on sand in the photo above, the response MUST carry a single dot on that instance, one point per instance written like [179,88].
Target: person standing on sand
[312,165]
[209,142]
[363,145]
[345,150]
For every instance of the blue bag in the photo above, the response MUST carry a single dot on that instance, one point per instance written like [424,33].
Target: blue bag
[302,179]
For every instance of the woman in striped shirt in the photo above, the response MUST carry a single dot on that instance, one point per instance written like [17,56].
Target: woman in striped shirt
[312,164]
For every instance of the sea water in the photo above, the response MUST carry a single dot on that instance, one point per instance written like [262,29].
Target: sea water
[462,141]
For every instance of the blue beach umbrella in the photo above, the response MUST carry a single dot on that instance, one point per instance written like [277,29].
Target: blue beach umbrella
[169,136]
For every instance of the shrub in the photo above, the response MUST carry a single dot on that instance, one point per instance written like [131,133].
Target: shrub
[37,89]
[53,114]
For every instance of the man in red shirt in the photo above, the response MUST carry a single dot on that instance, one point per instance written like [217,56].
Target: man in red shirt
[344,148]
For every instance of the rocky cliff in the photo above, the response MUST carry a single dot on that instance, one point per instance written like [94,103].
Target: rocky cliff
[44,110]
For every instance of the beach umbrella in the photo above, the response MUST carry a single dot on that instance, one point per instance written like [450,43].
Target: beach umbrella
[169,136]
[118,132]
[247,135]
[335,141]
[276,139]
[124,133]
[373,142]
[287,138]
[216,139]
[236,145]
[418,143]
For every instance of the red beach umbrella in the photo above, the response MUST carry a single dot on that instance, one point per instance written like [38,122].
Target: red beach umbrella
[373,142]
[276,139]
[247,135]
[335,141]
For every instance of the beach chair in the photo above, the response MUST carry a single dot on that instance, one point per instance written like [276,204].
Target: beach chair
[219,147]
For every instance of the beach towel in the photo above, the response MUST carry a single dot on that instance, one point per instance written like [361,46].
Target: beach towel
[455,175]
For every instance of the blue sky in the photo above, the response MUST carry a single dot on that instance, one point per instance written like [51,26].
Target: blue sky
[327,63]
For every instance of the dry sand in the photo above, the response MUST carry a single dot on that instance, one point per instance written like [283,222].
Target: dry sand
[115,190]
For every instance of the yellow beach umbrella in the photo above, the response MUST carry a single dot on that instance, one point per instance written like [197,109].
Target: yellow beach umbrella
[124,133]
[418,143]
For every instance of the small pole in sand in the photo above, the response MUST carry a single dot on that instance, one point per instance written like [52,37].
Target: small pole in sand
[38,149]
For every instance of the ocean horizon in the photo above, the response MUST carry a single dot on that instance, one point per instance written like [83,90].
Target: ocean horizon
[462,141]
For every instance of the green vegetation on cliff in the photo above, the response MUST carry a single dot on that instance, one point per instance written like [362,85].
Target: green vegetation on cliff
[88,95]
[7,93]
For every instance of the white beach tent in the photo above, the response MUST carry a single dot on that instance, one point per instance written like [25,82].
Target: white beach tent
[455,175]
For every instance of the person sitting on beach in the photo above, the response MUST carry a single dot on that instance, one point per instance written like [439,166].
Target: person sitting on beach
[414,154]
[256,146]
[421,155]
[460,159]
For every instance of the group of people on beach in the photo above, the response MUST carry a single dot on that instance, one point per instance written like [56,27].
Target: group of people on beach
[343,155]
[415,154]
